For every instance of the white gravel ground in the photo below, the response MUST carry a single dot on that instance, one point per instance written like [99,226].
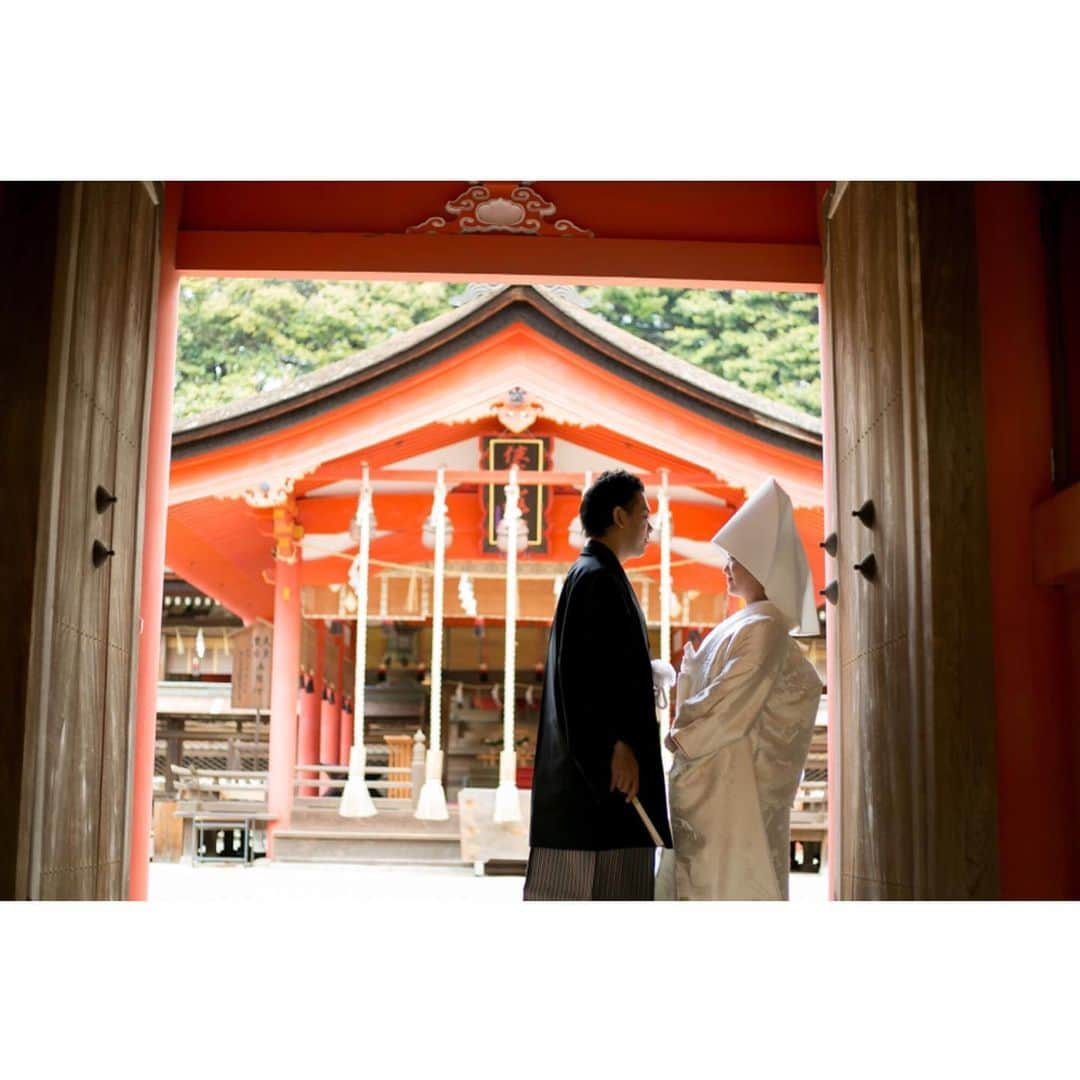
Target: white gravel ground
[271,882]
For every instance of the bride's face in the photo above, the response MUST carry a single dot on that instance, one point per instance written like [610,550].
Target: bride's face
[740,581]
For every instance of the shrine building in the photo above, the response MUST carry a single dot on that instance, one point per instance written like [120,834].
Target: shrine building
[496,413]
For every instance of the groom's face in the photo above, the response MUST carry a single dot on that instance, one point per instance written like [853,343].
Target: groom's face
[635,525]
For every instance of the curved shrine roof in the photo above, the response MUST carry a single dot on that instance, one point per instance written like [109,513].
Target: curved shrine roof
[552,315]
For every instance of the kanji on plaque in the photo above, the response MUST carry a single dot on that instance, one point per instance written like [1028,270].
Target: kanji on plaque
[500,452]
[252,649]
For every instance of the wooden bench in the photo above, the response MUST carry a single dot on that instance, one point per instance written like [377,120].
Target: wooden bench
[208,828]
[221,801]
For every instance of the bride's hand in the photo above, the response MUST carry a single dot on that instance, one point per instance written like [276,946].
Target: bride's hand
[690,658]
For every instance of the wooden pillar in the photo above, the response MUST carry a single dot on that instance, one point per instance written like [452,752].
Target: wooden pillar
[916,710]
[158,453]
[832,626]
[284,665]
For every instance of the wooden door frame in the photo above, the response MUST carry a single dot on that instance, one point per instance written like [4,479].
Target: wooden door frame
[949,838]
[156,193]
[32,810]
[39,688]
[834,791]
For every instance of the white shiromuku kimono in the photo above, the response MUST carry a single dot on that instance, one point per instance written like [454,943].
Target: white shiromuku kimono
[747,700]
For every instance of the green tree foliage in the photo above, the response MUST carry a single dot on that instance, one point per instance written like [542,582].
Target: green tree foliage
[764,342]
[238,337]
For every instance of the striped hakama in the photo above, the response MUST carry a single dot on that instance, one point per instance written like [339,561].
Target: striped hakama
[618,874]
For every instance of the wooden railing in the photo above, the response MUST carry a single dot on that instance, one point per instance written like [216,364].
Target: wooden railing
[398,781]
[222,784]
[394,782]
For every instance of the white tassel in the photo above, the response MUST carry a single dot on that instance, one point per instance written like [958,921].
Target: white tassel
[507,800]
[432,803]
[663,677]
[356,799]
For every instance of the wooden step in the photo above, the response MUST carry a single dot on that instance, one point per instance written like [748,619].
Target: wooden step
[314,846]
[403,835]
[327,819]
[312,802]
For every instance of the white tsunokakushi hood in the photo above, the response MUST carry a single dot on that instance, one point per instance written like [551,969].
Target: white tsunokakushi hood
[762,536]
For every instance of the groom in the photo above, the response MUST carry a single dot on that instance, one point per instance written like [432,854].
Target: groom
[598,743]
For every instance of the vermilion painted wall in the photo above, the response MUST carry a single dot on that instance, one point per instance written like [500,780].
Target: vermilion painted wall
[720,234]
[735,212]
[1035,822]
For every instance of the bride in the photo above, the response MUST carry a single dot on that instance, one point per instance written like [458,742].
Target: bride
[745,707]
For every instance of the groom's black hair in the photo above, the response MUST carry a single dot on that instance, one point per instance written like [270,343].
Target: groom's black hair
[616,487]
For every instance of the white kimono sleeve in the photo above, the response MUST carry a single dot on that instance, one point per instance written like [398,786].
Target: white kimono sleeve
[725,710]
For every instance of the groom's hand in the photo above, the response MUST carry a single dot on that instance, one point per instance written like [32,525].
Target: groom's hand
[624,771]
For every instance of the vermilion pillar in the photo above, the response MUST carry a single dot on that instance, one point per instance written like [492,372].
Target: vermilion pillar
[155,509]
[308,742]
[346,733]
[327,734]
[318,694]
[331,729]
[284,665]
[1030,673]
[339,697]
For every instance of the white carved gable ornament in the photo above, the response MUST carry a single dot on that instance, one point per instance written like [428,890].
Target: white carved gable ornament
[518,410]
[500,208]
